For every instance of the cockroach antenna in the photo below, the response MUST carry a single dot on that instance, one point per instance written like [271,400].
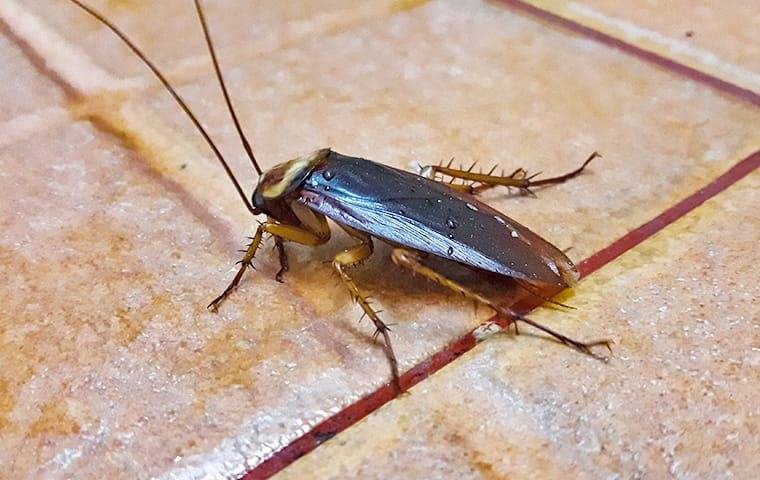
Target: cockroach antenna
[227,99]
[181,102]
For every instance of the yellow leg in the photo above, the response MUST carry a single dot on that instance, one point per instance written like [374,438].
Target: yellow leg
[413,261]
[285,232]
[483,181]
[352,257]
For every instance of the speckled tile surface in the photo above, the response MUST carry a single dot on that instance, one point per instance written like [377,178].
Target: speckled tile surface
[717,38]
[169,28]
[676,401]
[30,91]
[120,228]
[727,29]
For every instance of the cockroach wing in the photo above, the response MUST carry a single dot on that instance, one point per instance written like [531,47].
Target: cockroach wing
[419,213]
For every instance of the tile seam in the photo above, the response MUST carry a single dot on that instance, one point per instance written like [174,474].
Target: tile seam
[648,56]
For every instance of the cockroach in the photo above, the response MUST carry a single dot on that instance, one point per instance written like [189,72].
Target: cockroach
[418,214]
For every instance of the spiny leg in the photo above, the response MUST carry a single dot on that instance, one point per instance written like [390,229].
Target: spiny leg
[284,232]
[279,245]
[483,181]
[284,266]
[412,260]
[349,258]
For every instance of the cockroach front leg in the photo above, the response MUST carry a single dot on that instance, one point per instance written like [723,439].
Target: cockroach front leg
[413,261]
[352,257]
[279,231]
[483,181]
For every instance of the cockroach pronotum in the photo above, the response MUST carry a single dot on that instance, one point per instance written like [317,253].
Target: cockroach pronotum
[419,215]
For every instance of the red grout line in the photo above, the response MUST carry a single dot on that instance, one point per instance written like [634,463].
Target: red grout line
[360,409]
[635,237]
[646,55]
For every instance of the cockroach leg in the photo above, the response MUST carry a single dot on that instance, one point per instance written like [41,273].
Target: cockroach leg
[245,262]
[583,347]
[518,179]
[284,267]
[352,257]
[411,260]
[290,233]
[536,293]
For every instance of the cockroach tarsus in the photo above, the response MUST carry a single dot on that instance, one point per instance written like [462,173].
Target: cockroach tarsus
[418,215]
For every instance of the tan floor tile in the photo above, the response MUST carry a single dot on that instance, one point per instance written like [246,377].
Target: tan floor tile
[24,90]
[677,399]
[717,37]
[170,32]
[222,392]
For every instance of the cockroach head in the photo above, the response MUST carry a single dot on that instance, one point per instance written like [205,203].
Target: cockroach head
[285,178]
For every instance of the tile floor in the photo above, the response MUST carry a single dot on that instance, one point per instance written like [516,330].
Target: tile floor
[118,228]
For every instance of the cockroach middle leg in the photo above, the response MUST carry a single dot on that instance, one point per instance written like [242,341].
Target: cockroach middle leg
[411,260]
[349,258]
[289,233]
[482,181]
[279,244]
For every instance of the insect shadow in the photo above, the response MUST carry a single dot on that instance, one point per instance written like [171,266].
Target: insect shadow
[426,218]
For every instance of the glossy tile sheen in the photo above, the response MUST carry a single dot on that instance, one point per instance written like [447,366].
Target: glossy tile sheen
[120,230]
[716,37]
[24,90]
[169,30]
[727,29]
[677,400]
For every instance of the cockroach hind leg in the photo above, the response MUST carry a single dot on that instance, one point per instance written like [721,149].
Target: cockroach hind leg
[517,179]
[412,261]
[525,286]
[583,347]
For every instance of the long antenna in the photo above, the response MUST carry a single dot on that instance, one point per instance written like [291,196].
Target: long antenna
[218,70]
[174,94]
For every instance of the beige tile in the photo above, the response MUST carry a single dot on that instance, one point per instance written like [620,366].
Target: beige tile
[24,90]
[677,399]
[169,30]
[146,382]
[717,37]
